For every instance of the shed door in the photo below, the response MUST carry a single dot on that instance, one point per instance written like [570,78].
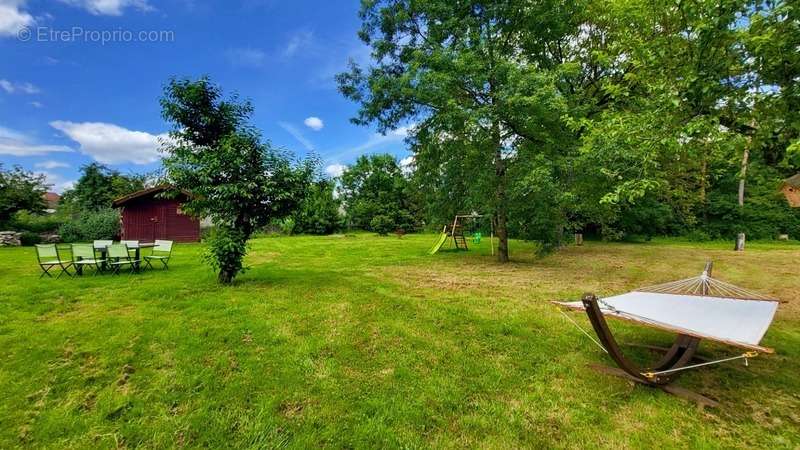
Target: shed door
[158,218]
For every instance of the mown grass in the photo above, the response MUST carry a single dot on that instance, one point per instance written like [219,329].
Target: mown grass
[361,341]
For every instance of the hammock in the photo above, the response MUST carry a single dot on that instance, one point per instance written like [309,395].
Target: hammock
[695,308]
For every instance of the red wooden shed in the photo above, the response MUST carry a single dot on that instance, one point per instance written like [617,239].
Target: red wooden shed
[150,214]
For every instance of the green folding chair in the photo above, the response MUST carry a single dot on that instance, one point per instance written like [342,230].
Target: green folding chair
[49,258]
[476,238]
[132,245]
[119,256]
[162,251]
[83,256]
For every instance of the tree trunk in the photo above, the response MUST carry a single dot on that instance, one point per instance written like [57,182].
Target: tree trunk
[501,211]
[704,186]
[225,276]
[743,174]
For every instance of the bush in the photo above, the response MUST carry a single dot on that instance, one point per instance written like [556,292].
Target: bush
[698,236]
[287,226]
[89,226]
[36,223]
[382,225]
[29,238]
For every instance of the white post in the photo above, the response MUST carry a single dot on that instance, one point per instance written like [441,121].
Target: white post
[740,239]
[491,221]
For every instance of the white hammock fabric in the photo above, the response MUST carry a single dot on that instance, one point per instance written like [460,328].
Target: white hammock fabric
[702,307]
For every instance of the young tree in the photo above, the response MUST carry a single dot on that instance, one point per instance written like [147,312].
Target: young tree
[375,187]
[473,76]
[237,179]
[20,190]
[99,186]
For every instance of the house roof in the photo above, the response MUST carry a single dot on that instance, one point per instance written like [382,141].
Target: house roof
[51,199]
[150,192]
[793,180]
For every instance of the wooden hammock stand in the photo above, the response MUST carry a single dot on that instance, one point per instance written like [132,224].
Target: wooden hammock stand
[675,359]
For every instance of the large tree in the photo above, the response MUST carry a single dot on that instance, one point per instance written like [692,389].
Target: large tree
[480,80]
[98,186]
[20,190]
[237,179]
[319,211]
[700,121]
[376,195]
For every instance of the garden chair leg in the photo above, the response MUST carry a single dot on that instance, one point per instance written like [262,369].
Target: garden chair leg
[46,271]
[64,269]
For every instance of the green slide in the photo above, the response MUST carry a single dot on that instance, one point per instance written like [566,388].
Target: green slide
[438,244]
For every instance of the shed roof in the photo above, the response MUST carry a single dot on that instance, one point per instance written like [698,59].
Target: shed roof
[793,180]
[150,192]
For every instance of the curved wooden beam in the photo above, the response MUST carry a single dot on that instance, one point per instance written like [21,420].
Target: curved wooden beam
[681,352]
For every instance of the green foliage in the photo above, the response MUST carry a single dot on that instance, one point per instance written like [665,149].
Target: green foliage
[91,225]
[488,86]
[98,187]
[20,190]
[225,249]
[319,211]
[37,223]
[765,214]
[376,186]
[382,225]
[30,238]
[238,180]
[287,225]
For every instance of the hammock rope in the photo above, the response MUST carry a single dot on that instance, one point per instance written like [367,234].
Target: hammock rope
[583,331]
[746,356]
[705,286]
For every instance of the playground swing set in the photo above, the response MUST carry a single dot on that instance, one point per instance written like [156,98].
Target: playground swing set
[455,233]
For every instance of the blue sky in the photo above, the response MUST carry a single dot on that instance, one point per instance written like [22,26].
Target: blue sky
[68,98]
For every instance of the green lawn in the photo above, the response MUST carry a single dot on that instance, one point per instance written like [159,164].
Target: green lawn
[367,342]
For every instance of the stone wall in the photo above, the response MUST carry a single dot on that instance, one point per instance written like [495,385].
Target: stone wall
[10,238]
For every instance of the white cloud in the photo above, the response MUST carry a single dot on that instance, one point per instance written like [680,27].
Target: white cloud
[375,140]
[15,143]
[56,182]
[246,57]
[13,18]
[335,170]
[396,135]
[407,165]
[111,144]
[298,41]
[37,105]
[51,164]
[315,123]
[109,7]
[297,134]
[18,88]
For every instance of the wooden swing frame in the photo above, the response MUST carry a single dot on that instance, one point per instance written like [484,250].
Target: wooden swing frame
[470,216]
